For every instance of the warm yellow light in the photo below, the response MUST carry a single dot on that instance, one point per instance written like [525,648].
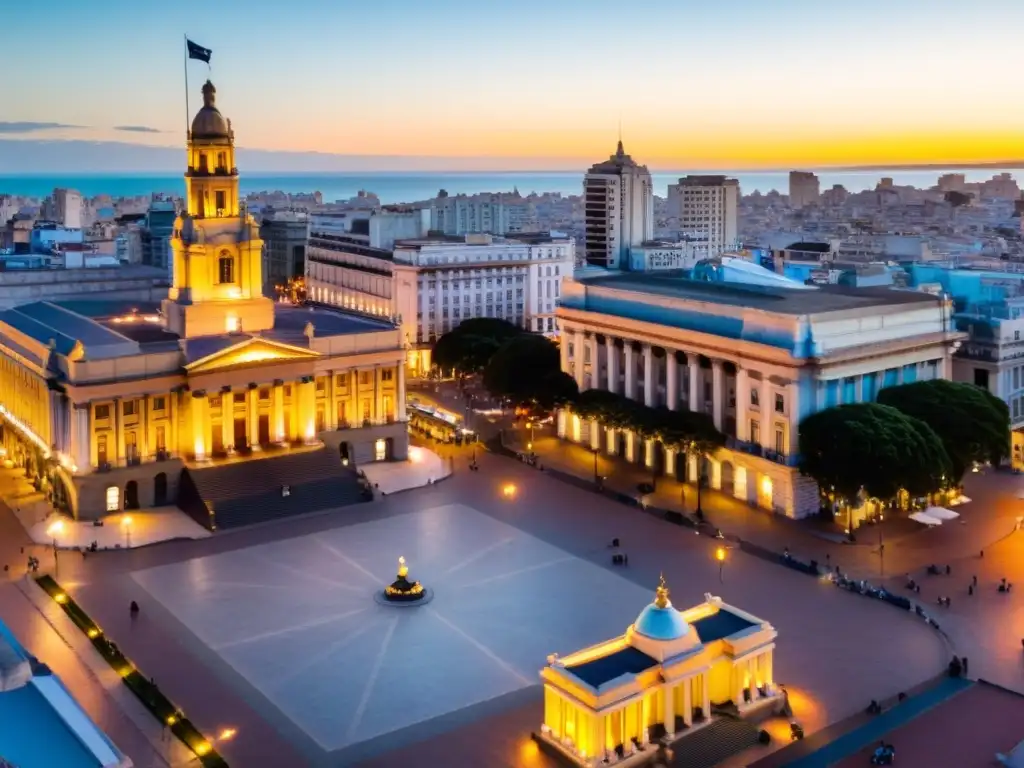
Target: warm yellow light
[55,529]
[125,671]
[254,356]
[171,719]
[403,569]
[509,490]
[720,554]
[126,521]
[766,485]
[203,749]
[93,633]
[529,446]
[415,454]
[61,598]
[231,324]
[227,734]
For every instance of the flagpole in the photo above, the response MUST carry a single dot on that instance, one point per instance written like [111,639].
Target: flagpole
[186,86]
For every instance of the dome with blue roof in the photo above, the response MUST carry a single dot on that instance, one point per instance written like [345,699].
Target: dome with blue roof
[659,620]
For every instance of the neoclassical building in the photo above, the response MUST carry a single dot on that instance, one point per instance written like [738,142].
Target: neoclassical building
[106,403]
[659,679]
[757,358]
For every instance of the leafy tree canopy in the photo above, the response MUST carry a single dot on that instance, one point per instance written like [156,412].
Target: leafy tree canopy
[871,446]
[689,431]
[527,371]
[972,423]
[468,347]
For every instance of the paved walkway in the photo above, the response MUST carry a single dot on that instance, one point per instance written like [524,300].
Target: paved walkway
[48,634]
[989,517]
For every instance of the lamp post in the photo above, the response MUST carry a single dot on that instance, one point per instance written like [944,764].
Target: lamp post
[597,478]
[720,557]
[55,529]
[126,524]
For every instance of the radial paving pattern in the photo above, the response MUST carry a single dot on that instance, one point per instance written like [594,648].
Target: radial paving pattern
[297,618]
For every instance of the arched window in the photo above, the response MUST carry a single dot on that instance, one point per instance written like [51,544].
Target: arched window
[113,498]
[226,268]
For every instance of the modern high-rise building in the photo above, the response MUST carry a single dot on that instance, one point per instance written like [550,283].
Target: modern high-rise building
[707,208]
[64,206]
[618,205]
[496,214]
[155,236]
[284,234]
[804,189]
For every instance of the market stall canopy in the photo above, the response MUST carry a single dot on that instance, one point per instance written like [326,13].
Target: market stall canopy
[941,513]
[921,517]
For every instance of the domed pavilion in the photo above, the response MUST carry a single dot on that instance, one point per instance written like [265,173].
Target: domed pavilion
[660,679]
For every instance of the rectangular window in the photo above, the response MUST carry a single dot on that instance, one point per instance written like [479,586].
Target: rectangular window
[366,410]
[321,385]
[755,432]
[161,439]
[221,202]
[131,408]
[131,448]
[239,397]
[780,441]
[159,403]
[265,393]
[755,398]
[389,413]
[341,380]
[102,412]
[780,403]
[364,377]
[101,450]
[387,374]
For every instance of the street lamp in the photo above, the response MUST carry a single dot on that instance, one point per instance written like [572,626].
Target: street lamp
[720,557]
[597,478]
[126,523]
[55,529]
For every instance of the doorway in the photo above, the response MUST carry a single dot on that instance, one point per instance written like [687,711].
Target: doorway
[264,429]
[160,489]
[241,433]
[131,495]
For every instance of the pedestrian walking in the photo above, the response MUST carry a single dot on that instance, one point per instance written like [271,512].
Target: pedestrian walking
[964,661]
[974,580]
[970,590]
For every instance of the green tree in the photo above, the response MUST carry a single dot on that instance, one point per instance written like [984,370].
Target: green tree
[692,433]
[972,423]
[871,448]
[526,371]
[468,347]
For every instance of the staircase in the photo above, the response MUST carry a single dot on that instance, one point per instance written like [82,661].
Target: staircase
[710,745]
[248,492]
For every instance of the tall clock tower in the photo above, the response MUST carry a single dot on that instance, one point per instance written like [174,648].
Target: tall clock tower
[217,283]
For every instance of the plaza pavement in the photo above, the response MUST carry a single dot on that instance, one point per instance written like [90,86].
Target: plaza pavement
[836,651]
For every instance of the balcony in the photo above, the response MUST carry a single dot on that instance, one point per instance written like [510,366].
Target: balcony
[109,465]
[756,449]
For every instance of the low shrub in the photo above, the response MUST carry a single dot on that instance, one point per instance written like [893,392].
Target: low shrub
[145,690]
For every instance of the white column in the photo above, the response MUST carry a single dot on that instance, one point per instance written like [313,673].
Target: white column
[630,371]
[277,411]
[671,380]
[705,695]
[793,396]
[81,437]
[199,437]
[742,404]
[650,395]
[717,392]
[859,389]
[693,372]
[307,410]
[944,365]
[227,420]
[563,349]
[399,395]
[578,356]
[670,709]
[595,363]
[688,702]
[252,416]
[612,353]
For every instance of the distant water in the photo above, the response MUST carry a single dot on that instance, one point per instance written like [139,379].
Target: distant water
[396,187]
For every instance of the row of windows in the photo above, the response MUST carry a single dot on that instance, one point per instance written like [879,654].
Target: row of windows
[130,408]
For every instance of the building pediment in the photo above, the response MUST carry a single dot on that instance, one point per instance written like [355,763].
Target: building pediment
[251,351]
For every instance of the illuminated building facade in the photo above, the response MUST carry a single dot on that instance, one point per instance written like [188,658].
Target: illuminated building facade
[756,358]
[658,680]
[107,402]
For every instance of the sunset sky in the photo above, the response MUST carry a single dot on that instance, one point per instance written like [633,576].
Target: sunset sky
[535,83]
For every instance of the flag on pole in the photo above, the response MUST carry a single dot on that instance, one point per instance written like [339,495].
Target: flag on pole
[198,52]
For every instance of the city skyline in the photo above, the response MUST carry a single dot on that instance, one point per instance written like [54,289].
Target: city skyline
[737,85]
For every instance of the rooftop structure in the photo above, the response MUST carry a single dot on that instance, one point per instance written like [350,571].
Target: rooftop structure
[41,724]
[758,358]
[618,202]
[662,676]
[107,402]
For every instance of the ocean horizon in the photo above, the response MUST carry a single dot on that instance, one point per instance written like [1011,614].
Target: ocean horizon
[410,187]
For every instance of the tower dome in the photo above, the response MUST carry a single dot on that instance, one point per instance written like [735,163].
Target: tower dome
[659,620]
[209,123]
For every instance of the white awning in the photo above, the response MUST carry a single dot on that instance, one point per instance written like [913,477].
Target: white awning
[921,517]
[941,513]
